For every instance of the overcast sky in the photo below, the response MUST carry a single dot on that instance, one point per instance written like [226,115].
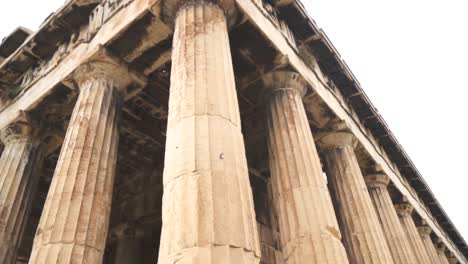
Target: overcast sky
[411,59]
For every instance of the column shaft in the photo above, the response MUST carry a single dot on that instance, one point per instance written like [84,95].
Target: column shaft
[442,257]
[74,222]
[404,212]
[308,226]
[391,226]
[424,232]
[208,214]
[17,185]
[363,235]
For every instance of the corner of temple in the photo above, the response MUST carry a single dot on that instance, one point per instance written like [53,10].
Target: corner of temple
[107,66]
[336,134]
[282,80]
[171,8]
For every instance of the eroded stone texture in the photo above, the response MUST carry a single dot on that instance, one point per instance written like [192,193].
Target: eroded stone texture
[208,214]
[74,222]
[404,212]
[396,239]
[308,227]
[363,236]
[425,233]
[19,160]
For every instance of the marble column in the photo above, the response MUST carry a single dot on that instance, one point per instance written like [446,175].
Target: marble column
[308,227]
[18,181]
[129,248]
[441,253]
[363,236]
[404,211]
[396,239]
[425,233]
[453,260]
[208,214]
[74,222]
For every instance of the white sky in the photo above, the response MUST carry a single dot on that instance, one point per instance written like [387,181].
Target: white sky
[409,56]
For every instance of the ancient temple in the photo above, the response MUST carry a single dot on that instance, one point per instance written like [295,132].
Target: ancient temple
[201,131]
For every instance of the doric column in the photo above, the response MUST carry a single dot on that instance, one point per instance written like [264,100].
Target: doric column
[363,236]
[129,248]
[452,260]
[441,253]
[19,160]
[425,233]
[74,222]
[404,211]
[208,214]
[308,227]
[396,239]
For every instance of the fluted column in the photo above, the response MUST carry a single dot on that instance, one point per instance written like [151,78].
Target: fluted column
[129,245]
[441,253]
[19,159]
[396,239]
[308,227]
[425,233]
[74,222]
[363,236]
[208,214]
[404,212]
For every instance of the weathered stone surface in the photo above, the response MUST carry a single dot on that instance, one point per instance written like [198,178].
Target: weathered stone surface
[396,239]
[308,227]
[404,212]
[208,214]
[74,223]
[441,253]
[425,233]
[363,236]
[18,180]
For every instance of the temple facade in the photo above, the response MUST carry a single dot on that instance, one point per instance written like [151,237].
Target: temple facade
[201,131]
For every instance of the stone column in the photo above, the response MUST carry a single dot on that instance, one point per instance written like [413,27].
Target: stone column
[19,159]
[308,227]
[441,253]
[363,236]
[74,222]
[129,245]
[453,260]
[425,233]
[396,239]
[208,214]
[404,212]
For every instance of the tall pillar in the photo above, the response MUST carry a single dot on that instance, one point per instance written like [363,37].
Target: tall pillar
[441,253]
[308,227]
[404,212]
[396,239]
[208,214]
[19,159]
[74,222]
[129,248]
[363,236]
[425,233]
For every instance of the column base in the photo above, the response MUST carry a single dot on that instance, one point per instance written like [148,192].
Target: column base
[213,254]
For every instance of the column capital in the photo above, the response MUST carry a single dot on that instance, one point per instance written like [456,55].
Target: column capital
[284,80]
[18,130]
[171,8]
[424,230]
[377,180]
[336,134]
[103,70]
[404,209]
[452,260]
